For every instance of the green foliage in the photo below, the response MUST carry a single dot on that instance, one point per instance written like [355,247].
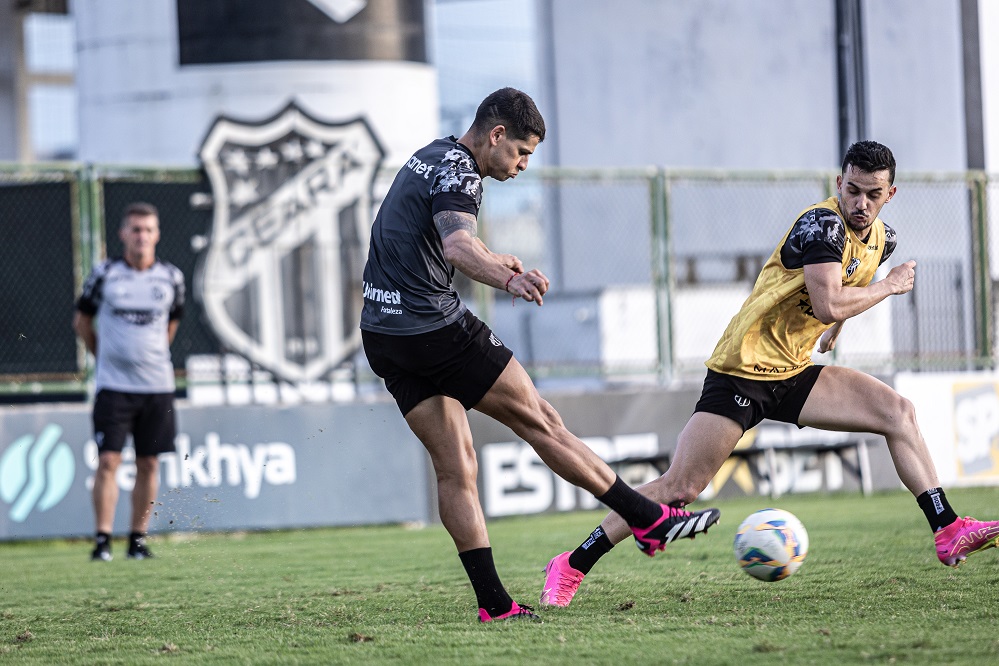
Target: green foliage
[870,591]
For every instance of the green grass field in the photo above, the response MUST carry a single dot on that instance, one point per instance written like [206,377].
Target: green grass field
[871,591]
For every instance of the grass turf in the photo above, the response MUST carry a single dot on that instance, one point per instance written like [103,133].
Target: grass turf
[870,591]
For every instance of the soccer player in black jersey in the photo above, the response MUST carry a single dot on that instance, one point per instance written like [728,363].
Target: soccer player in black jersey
[818,277]
[438,360]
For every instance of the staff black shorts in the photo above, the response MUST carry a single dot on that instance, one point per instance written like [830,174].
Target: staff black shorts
[461,360]
[749,401]
[150,417]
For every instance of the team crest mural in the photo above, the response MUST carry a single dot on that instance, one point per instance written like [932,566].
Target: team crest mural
[280,281]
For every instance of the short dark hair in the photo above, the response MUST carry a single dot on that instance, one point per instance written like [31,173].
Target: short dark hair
[139,208]
[870,156]
[513,109]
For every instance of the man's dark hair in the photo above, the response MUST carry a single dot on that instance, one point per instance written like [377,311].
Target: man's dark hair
[870,156]
[140,208]
[513,109]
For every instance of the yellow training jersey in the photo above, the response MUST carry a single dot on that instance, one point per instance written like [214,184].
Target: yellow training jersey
[775,332]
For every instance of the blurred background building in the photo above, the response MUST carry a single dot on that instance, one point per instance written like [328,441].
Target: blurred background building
[683,136]
[706,84]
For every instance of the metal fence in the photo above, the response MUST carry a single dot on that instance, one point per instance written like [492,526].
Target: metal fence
[647,268]
[651,265]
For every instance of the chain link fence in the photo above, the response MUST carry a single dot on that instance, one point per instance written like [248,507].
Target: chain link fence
[40,266]
[647,267]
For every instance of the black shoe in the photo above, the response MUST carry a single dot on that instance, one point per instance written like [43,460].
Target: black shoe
[102,552]
[137,550]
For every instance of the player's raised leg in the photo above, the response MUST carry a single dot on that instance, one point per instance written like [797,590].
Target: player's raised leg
[514,401]
[704,444]
[848,400]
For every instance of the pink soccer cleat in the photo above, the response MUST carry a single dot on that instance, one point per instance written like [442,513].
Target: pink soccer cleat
[516,612]
[561,582]
[964,537]
[672,525]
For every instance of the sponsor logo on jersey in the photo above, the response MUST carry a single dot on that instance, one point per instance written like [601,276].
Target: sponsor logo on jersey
[384,296]
[136,317]
[381,295]
[854,264]
[776,371]
[494,340]
[419,167]
[280,276]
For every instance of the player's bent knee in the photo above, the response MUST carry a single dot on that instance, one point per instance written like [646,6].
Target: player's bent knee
[456,474]
[902,416]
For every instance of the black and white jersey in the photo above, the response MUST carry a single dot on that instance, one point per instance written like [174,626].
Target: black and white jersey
[132,311]
[407,281]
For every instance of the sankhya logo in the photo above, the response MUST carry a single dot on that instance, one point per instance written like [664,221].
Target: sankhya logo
[36,472]
[280,278]
[214,464]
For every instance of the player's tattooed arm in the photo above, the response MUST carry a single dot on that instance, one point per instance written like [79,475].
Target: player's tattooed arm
[469,254]
[450,221]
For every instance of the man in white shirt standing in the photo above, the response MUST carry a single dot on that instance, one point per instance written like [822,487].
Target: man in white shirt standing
[127,317]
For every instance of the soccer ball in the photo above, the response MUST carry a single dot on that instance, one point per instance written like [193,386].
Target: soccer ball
[771,544]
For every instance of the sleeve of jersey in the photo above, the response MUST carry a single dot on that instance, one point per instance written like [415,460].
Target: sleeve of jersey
[456,189]
[823,237]
[890,243]
[90,298]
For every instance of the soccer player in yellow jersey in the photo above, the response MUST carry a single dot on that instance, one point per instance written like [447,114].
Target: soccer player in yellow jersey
[819,276]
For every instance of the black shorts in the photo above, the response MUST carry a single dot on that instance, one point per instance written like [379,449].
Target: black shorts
[749,401]
[149,417]
[461,360]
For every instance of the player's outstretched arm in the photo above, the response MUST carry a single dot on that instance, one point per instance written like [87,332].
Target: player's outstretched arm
[832,302]
[466,252]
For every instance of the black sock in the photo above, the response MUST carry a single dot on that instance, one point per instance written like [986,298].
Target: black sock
[489,591]
[103,538]
[587,553]
[134,538]
[636,509]
[936,508]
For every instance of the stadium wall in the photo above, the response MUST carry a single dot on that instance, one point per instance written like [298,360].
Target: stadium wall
[235,468]
[277,467]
